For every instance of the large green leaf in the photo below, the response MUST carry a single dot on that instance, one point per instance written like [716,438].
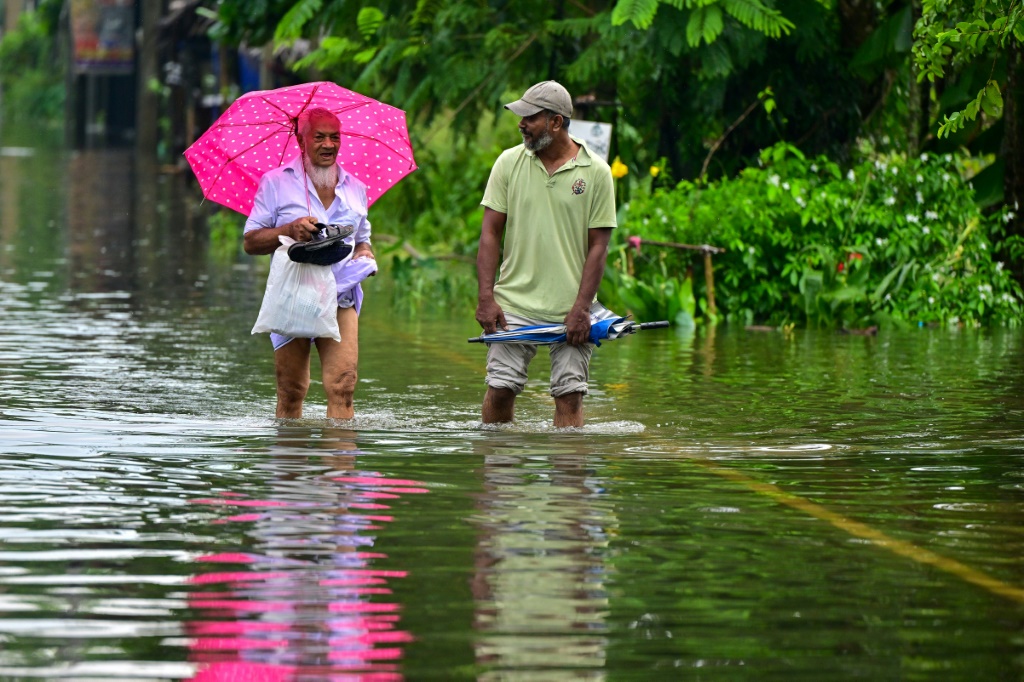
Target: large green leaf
[705,23]
[639,12]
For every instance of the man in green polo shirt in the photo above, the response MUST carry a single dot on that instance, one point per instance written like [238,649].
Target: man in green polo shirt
[553,202]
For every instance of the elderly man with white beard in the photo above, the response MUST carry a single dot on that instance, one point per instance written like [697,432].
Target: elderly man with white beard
[313,188]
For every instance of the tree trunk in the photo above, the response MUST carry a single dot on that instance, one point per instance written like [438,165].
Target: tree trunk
[1013,145]
[147,107]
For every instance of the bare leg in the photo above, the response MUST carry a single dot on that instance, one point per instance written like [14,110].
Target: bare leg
[340,362]
[499,405]
[291,365]
[569,410]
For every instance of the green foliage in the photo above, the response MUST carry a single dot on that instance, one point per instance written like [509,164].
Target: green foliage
[658,296]
[640,13]
[893,240]
[33,88]
[291,24]
[953,34]
[226,229]
[437,211]
[430,283]
[989,100]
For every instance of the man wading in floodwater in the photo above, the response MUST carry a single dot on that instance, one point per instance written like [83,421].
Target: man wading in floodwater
[553,203]
[315,182]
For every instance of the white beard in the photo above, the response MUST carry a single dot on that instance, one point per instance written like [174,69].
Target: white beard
[540,143]
[322,177]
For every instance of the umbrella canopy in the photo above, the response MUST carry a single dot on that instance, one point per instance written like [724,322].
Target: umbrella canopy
[257,134]
[546,334]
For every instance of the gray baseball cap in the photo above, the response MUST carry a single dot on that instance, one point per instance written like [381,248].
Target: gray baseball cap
[546,95]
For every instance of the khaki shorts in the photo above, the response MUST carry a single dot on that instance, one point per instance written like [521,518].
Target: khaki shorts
[570,365]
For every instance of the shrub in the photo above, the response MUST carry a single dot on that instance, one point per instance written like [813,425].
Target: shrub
[892,240]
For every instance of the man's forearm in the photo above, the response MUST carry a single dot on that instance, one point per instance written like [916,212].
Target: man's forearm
[262,241]
[593,272]
[486,267]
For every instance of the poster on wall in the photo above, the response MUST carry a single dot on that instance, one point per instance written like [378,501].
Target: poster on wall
[103,35]
[598,136]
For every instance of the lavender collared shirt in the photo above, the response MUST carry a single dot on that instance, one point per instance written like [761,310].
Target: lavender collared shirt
[286,194]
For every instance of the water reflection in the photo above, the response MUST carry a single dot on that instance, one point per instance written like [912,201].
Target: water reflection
[540,575]
[130,228]
[311,599]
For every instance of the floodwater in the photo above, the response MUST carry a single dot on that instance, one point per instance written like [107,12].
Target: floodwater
[740,505]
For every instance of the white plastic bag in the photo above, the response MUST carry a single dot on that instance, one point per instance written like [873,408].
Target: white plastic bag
[301,299]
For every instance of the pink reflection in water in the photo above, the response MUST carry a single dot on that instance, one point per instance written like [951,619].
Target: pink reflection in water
[309,607]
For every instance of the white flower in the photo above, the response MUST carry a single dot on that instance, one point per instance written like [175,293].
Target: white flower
[919,178]
[982,297]
[889,201]
[800,201]
[880,241]
[1008,216]
[785,186]
[924,157]
[920,198]
[931,299]
[1000,266]
[851,176]
[773,179]
[888,297]
[751,250]
[895,170]
[983,247]
[814,168]
[948,157]
[911,218]
[925,229]
[935,277]
[945,177]
[931,215]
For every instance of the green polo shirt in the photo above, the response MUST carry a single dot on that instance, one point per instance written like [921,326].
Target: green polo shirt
[548,218]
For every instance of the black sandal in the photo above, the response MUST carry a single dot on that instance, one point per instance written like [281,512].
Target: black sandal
[326,248]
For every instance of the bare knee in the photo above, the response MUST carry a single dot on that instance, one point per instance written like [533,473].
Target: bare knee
[343,382]
[499,405]
[569,410]
[291,391]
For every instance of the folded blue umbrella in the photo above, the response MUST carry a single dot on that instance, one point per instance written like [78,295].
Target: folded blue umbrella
[547,334]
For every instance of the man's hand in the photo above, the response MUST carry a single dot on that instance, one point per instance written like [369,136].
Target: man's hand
[363,250]
[577,326]
[301,230]
[490,315]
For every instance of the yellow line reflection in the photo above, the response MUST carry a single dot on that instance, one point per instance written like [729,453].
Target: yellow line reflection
[860,530]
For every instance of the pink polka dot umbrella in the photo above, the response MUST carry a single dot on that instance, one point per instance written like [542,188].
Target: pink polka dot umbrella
[257,134]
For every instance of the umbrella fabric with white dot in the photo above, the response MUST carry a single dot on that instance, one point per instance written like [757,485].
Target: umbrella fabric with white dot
[257,134]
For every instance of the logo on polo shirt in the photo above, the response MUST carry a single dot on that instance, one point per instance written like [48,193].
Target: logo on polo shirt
[579,186]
